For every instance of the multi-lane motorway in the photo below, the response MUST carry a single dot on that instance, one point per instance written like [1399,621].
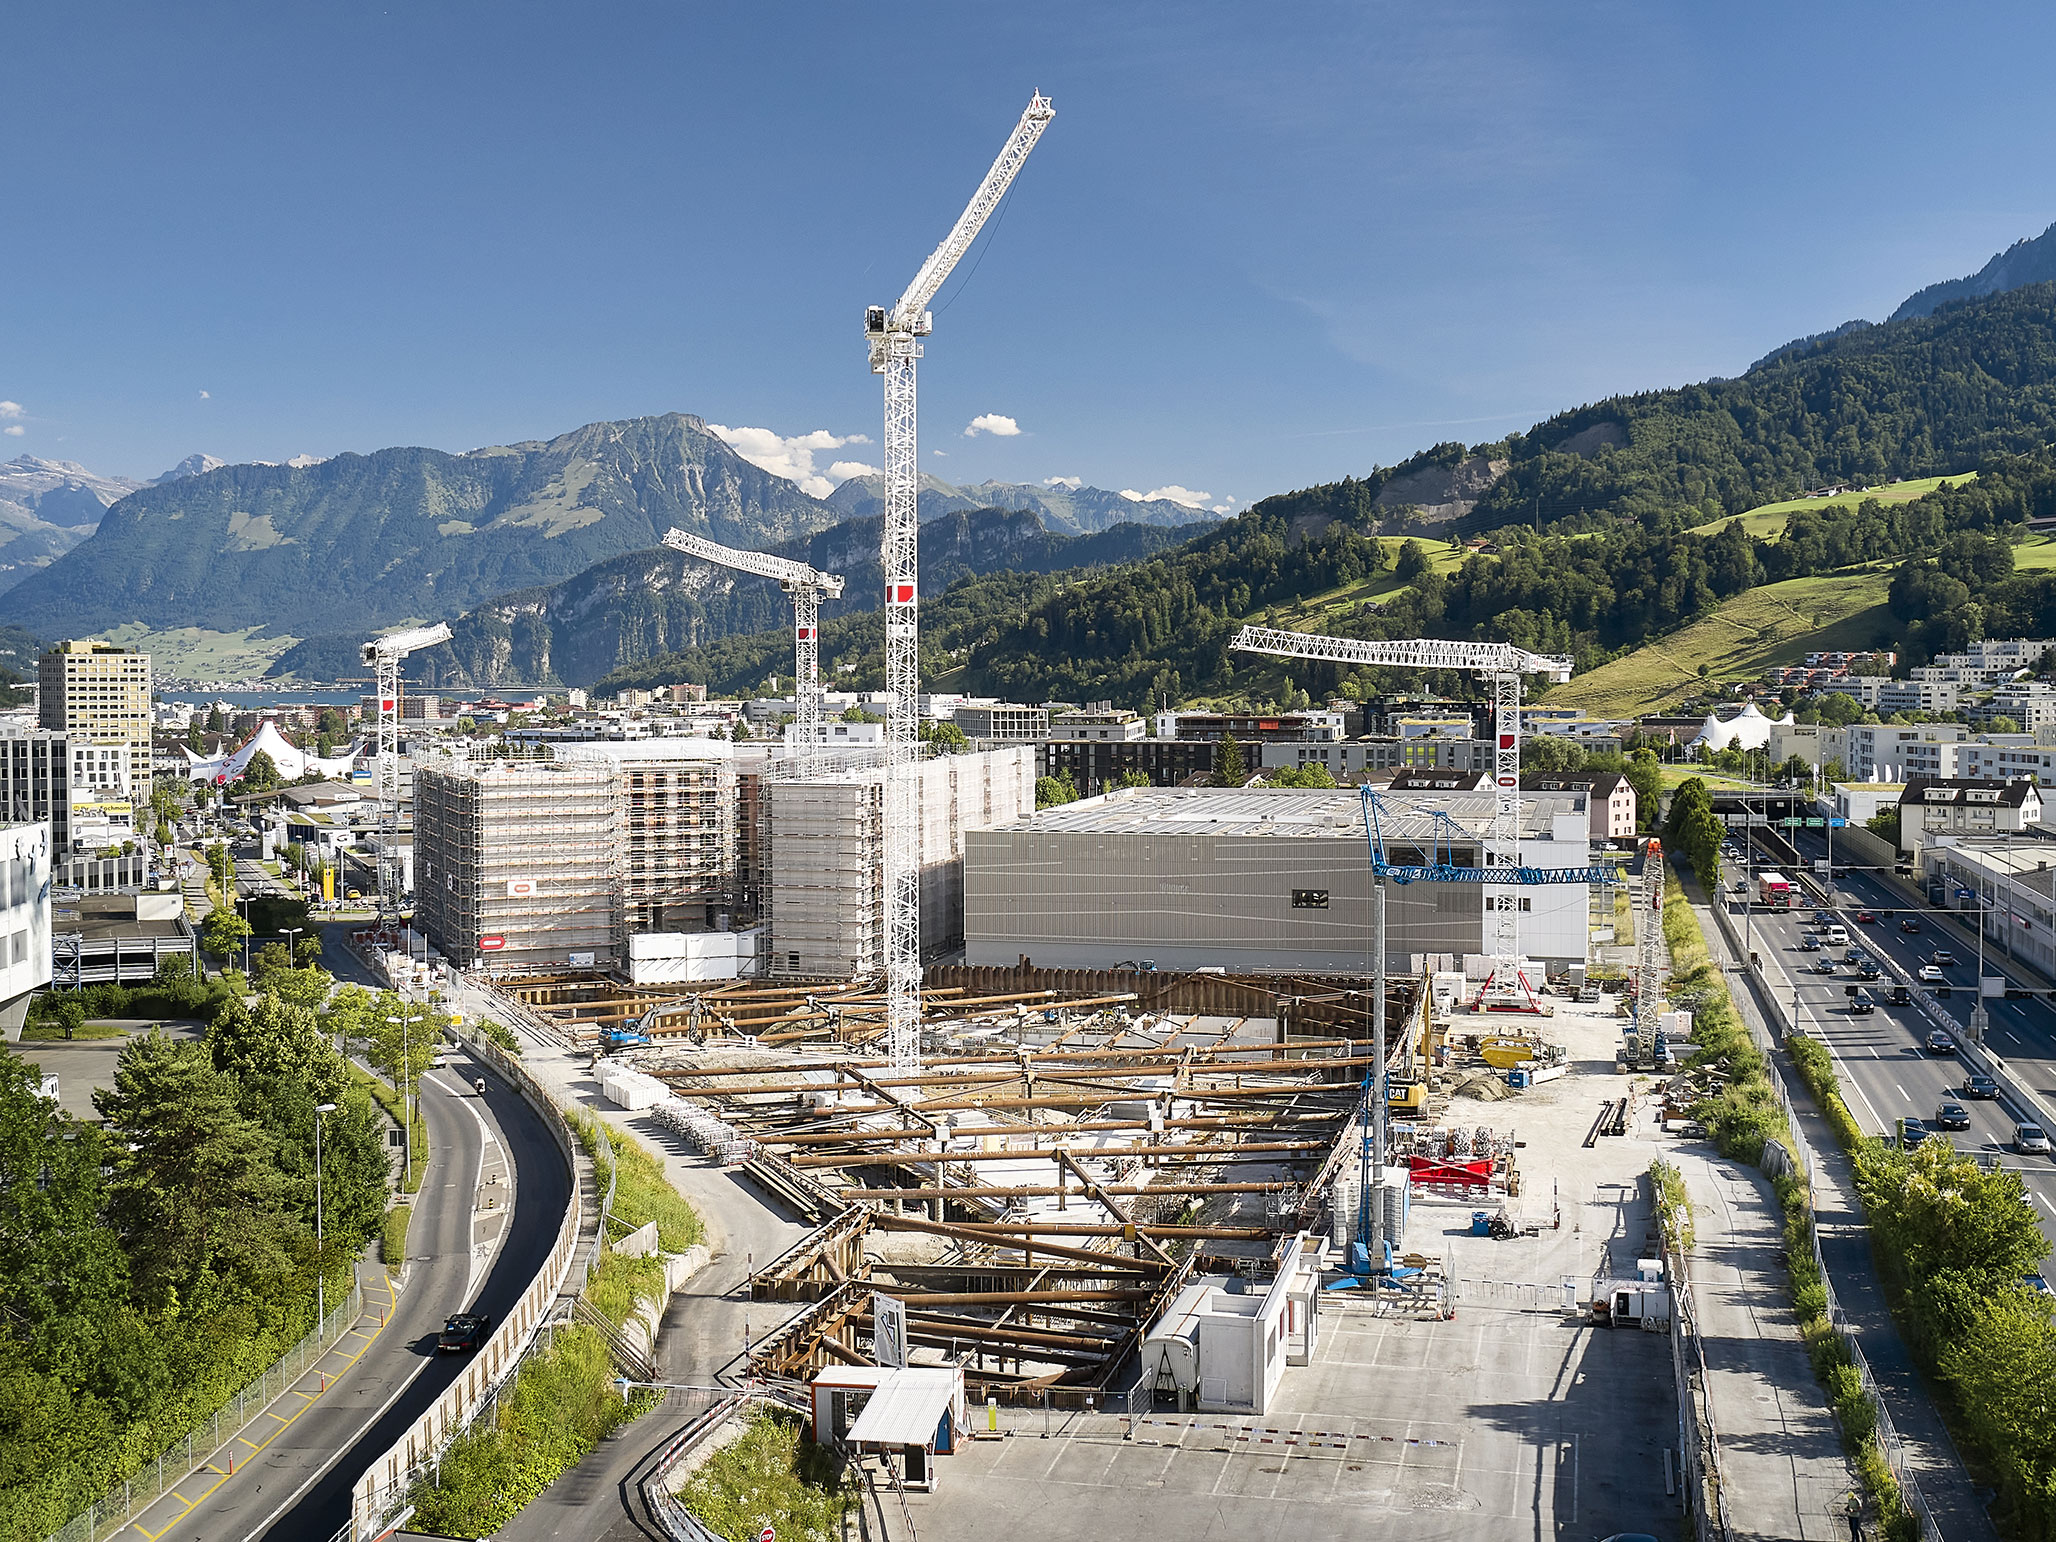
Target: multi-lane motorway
[1886,1073]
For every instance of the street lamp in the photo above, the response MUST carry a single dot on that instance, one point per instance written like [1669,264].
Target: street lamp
[406,1085]
[289,933]
[320,1255]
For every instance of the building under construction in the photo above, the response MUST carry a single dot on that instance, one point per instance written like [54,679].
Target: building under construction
[823,894]
[516,862]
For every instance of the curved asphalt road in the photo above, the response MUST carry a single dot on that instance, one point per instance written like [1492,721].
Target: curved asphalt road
[404,1359]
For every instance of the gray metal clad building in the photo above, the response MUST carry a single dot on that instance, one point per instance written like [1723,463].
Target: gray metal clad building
[1253,879]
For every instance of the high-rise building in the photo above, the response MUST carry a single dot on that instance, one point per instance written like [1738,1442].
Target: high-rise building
[35,782]
[99,694]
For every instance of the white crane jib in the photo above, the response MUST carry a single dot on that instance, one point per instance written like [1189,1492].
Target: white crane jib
[806,585]
[384,654]
[1503,665]
[894,335]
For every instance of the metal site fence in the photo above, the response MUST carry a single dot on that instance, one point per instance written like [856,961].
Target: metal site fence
[211,1443]
[1890,1442]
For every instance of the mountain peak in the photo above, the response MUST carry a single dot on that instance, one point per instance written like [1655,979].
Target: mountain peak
[1065,509]
[197,464]
[2026,261]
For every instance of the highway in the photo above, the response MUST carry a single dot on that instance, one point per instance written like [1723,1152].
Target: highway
[1886,1073]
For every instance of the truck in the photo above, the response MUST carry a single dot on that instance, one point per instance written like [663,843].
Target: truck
[1774,889]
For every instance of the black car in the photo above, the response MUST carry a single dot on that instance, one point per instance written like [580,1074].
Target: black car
[1826,966]
[1869,969]
[1951,1116]
[1909,925]
[1901,995]
[1941,1042]
[1912,1132]
[1980,1087]
[1860,1002]
[462,1333]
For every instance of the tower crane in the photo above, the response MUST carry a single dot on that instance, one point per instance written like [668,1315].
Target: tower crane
[806,585]
[894,334]
[1647,1050]
[1503,665]
[384,654]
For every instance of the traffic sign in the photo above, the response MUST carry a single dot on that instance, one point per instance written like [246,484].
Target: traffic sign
[767,1535]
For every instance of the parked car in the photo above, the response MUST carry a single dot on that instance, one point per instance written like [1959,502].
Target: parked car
[1909,925]
[1911,1133]
[1930,975]
[1952,1116]
[1941,1041]
[1980,1087]
[1866,916]
[462,1333]
[1943,957]
[2030,1140]
[2038,1285]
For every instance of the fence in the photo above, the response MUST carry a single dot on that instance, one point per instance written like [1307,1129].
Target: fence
[183,1457]
[382,1488]
[1890,1443]
[716,1405]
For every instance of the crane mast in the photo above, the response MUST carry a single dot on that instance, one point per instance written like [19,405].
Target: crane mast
[894,335]
[384,654]
[1501,665]
[805,585]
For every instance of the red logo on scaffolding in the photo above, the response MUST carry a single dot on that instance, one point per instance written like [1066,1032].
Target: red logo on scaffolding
[491,944]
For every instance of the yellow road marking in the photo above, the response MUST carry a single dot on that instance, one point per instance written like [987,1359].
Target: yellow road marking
[348,1361]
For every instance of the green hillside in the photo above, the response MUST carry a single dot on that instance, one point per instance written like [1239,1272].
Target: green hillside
[1770,518]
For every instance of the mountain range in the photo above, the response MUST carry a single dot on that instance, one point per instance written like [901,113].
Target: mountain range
[1065,509]
[641,605]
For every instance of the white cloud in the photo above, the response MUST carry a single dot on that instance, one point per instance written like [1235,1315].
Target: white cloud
[992,423]
[1174,493]
[1074,483]
[206,396]
[944,454]
[791,458]
[843,470]
[11,409]
[13,430]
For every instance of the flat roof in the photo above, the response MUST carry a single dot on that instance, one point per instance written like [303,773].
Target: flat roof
[1285,811]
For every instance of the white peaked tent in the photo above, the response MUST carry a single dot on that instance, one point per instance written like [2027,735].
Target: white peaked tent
[1748,729]
[292,763]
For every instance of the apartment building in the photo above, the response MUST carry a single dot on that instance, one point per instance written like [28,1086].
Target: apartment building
[1959,806]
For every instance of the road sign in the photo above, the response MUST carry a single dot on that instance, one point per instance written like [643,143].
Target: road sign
[888,1330]
[767,1535]
[491,944]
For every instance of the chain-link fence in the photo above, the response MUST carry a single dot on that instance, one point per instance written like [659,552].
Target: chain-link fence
[210,1440]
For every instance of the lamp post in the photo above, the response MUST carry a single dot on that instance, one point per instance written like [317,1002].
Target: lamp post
[243,901]
[289,933]
[320,1254]
[406,1085]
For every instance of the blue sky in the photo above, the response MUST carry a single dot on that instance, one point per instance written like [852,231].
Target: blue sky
[1260,247]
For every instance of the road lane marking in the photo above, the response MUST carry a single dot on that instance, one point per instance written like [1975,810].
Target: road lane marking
[1901,1091]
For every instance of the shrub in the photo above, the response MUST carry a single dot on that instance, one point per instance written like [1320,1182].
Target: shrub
[392,1239]
[770,1477]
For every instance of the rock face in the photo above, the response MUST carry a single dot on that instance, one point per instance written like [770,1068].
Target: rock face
[1441,494]
[644,604]
[1065,510]
[46,508]
[2024,262]
[362,541]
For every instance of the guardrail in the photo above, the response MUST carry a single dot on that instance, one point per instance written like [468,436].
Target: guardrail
[382,1489]
[1890,1442]
[185,1456]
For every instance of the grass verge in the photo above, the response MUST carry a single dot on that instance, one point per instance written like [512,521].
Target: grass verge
[621,1281]
[771,1477]
[641,1191]
[51,1033]
[1741,1117]
[392,1237]
[389,1100]
[1673,1206]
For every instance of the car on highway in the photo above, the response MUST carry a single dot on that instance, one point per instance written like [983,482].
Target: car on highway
[1980,1087]
[1823,917]
[1860,1003]
[2030,1140]
[1930,975]
[1825,966]
[1943,957]
[1951,1116]
[1901,995]
[1809,943]
[1853,956]
[1940,1041]
[1866,916]
[1909,925]
[462,1333]
[1868,968]
[1912,1132]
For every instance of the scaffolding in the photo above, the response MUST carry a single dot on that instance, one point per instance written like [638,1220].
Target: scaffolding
[518,863]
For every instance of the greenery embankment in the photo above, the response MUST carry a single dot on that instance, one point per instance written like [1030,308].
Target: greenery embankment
[1742,1117]
[1954,1245]
[395,1110]
[564,1401]
[155,1265]
[773,1476]
[392,1238]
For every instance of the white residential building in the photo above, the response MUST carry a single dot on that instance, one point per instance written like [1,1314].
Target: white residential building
[1959,806]
[25,858]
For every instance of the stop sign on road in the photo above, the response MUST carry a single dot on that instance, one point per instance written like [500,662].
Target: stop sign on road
[767,1535]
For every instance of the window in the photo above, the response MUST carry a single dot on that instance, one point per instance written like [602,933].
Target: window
[1309,899]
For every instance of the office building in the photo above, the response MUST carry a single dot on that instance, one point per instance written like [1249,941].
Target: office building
[99,694]
[25,860]
[35,781]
